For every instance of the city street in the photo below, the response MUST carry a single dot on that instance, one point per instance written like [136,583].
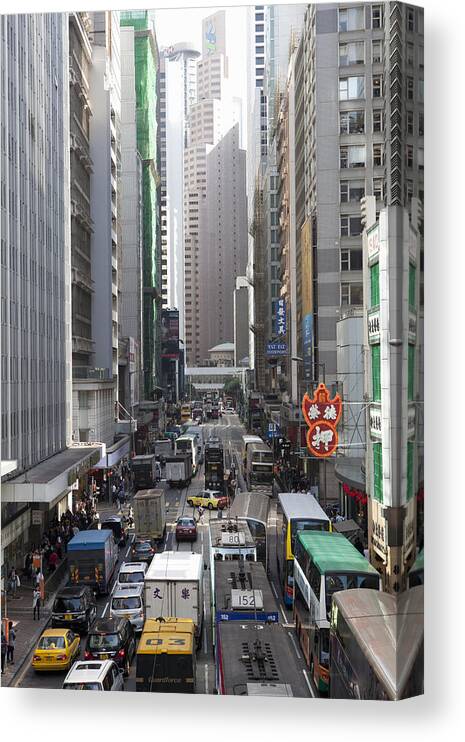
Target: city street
[230,431]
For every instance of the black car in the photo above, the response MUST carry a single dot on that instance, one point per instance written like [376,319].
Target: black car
[111,639]
[142,550]
[74,608]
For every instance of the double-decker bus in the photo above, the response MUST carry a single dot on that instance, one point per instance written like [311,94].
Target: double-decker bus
[214,465]
[376,645]
[259,467]
[254,508]
[324,564]
[296,512]
[247,441]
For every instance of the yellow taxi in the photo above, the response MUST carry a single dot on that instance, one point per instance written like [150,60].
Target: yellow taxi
[56,650]
[210,499]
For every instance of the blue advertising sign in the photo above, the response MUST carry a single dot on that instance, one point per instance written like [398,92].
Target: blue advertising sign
[273,430]
[271,616]
[276,349]
[307,345]
[281,317]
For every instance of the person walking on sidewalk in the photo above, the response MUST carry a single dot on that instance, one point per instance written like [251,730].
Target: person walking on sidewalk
[4,649]
[36,603]
[11,644]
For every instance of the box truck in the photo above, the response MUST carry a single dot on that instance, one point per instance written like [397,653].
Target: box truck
[144,471]
[150,514]
[173,586]
[92,558]
[178,469]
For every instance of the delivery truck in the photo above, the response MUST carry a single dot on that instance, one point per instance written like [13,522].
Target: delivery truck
[92,559]
[165,660]
[150,514]
[162,449]
[173,586]
[144,471]
[178,469]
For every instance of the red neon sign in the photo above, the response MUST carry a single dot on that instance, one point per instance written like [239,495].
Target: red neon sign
[322,415]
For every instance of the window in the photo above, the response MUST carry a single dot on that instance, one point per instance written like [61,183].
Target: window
[376,51]
[351,293]
[376,16]
[410,56]
[351,19]
[351,226]
[378,155]
[378,188]
[411,20]
[421,86]
[420,158]
[421,122]
[410,88]
[412,277]
[421,54]
[377,121]
[351,260]
[351,88]
[409,155]
[352,190]
[377,87]
[411,372]
[410,122]
[352,156]
[352,122]
[408,190]
[352,53]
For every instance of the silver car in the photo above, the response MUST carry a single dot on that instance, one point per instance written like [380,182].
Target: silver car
[128,602]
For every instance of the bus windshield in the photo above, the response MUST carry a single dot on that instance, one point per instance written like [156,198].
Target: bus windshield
[305,524]
[336,582]
[184,445]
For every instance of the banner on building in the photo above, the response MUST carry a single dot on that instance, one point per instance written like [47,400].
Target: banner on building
[307,298]
[281,317]
[170,333]
[276,349]
[322,415]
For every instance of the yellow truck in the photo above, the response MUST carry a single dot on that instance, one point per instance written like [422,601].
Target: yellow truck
[166,656]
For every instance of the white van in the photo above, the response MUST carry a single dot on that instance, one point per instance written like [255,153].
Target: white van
[131,574]
[94,675]
[128,602]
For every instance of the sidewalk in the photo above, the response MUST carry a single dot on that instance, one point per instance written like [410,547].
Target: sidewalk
[28,631]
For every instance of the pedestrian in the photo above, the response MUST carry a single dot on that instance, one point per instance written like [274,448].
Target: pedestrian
[10,658]
[36,603]
[200,513]
[52,561]
[4,650]
[14,582]
[118,504]
[38,577]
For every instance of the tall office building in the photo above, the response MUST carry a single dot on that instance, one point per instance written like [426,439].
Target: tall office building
[146,70]
[209,119]
[35,280]
[180,90]
[223,236]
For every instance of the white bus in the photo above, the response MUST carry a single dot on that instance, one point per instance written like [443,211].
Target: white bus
[188,444]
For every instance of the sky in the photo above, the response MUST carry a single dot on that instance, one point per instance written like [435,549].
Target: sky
[185,24]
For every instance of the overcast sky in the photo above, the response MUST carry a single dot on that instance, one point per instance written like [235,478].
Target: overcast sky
[185,24]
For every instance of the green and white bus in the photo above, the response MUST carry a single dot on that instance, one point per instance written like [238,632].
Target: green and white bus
[324,563]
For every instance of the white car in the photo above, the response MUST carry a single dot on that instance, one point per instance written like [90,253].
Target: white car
[94,675]
[230,411]
[131,574]
[128,602]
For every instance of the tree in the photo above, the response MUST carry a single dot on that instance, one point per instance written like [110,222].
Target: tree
[232,387]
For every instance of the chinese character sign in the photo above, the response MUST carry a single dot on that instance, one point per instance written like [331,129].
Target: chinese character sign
[281,319]
[322,415]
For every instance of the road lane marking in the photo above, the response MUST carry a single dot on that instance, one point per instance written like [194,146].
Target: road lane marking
[206,678]
[282,611]
[275,591]
[291,637]
[308,683]
[105,609]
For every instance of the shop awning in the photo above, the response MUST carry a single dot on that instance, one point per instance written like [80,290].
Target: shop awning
[351,470]
[115,453]
[54,476]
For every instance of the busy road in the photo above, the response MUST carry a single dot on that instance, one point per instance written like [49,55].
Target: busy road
[230,432]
